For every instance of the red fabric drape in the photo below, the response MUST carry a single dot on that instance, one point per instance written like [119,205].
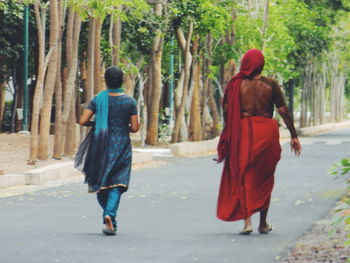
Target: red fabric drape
[252,64]
[240,186]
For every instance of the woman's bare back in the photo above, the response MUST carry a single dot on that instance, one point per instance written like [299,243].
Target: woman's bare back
[258,97]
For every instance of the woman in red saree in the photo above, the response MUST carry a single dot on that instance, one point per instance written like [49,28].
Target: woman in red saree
[249,143]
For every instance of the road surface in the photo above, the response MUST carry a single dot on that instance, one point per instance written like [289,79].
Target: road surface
[168,215]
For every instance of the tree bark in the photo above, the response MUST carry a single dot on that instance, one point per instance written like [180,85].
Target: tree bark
[207,89]
[45,116]
[116,39]
[2,101]
[69,92]
[57,148]
[157,52]
[69,143]
[265,23]
[187,66]
[214,112]
[37,99]
[91,60]
[195,129]
[305,96]
[290,94]
[97,56]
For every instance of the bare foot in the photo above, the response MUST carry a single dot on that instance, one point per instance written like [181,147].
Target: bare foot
[108,223]
[264,229]
[109,230]
[248,228]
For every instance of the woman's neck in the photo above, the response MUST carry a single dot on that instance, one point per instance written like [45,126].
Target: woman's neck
[114,94]
[116,91]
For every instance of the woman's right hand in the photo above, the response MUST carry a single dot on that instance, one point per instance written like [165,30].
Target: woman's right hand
[295,146]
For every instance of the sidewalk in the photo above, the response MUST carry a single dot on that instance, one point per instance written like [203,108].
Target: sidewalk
[14,152]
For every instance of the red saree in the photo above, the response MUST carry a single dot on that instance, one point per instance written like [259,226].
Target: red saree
[251,150]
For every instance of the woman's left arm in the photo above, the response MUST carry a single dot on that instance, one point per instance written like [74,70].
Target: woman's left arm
[85,118]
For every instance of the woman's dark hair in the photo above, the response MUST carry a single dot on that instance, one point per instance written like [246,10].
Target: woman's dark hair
[114,77]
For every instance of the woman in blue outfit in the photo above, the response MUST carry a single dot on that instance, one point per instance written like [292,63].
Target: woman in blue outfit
[107,155]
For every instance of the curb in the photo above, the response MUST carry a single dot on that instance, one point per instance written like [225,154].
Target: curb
[54,172]
[188,148]
[322,128]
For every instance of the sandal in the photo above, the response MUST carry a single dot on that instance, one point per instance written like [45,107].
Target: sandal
[245,232]
[266,229]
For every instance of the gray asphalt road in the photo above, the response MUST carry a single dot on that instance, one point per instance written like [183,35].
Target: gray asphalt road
[168,215]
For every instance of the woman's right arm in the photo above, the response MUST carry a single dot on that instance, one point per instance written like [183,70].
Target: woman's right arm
[85,118]
[134,123]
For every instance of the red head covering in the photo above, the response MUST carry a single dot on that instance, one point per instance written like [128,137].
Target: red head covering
[252,64]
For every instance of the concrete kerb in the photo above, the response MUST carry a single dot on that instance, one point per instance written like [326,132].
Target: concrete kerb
[11,180]
[42,176]
[188,148]
[54,172]
[322,128]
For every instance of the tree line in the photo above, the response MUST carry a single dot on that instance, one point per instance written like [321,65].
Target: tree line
[177,57]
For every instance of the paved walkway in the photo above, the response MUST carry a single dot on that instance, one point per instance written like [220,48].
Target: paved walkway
[168,216]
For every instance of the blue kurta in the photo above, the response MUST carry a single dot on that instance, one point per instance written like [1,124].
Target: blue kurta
[118,167]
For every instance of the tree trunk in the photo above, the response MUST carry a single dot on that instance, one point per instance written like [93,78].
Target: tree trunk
[265,23]
[45,116]
[116,39]
[207,89]
[57,147]
[83,72]
[178,91]
[14,105]
[37,99]
[69,92]
[229,71]
[157,51]
[69,143]
[91,60]
[290,94]
[148,90]
[131,76]
[334,87]
[215,113]
[97,56]
[187,66]
[305,96]
[2,101]
[195,129]
[142,110]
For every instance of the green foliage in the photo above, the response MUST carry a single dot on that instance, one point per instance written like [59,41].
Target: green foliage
[290,40]
[138,33]
[102,8]
[208,15]
[11,38]
[342,169]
